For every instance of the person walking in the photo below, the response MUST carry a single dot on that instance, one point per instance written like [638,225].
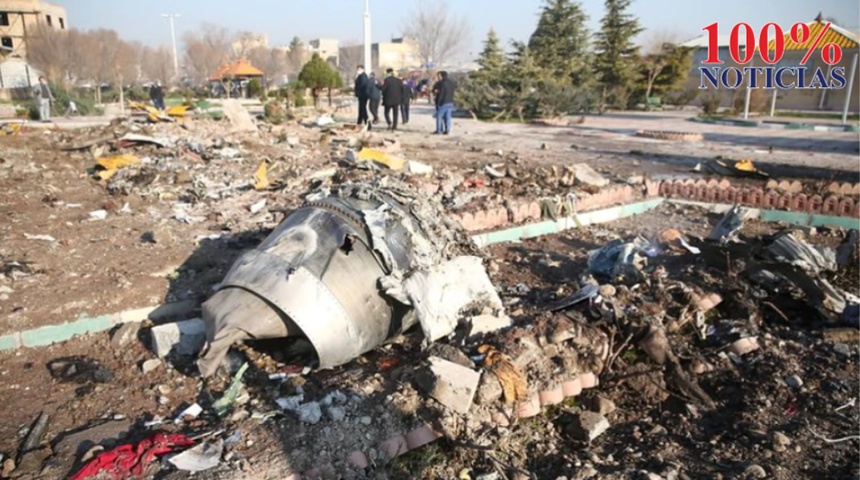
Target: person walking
[432,97]
[44,99]
[392,96]
[408,96]
[156,94]
[375,95]
[445,104]
[72,109]
[361,93]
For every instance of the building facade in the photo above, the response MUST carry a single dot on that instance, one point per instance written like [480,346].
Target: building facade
[19,18]
[327,48]
[399,54]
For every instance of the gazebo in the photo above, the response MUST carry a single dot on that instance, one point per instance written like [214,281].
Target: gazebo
[239,71]
[847,41]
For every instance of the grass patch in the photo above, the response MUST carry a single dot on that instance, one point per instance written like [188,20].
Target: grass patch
[818,115]
[417,463]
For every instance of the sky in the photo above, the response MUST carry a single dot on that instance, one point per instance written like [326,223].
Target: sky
[343,19]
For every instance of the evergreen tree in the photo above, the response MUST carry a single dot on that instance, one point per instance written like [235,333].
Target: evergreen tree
[615,53]
[492,60]
[559,44]
[318,75]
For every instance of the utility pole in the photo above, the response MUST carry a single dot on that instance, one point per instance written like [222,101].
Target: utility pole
[368,59]
[171,16]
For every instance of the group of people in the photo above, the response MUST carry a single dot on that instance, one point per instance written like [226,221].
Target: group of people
[396,95]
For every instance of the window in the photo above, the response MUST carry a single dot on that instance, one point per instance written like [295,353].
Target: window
[48,19]
[4,19]
[6,43]
[62,23]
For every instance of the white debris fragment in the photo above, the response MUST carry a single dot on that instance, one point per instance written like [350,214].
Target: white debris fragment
[417,168]
[201,457]
[185,337]
[585,174]
[257,206]
[98,214]
[442,292]
[44,238]
[189,413]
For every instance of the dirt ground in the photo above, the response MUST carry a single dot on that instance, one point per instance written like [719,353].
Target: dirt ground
[173,228]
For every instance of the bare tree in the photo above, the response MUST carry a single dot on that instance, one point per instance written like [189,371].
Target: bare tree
[242,45]
[350,56]
[157,64]
[206,50]
[79,60]
[47,50]
[438,33]
[271,61]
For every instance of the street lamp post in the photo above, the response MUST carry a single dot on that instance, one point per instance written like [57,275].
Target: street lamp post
[367,55]
[171,16]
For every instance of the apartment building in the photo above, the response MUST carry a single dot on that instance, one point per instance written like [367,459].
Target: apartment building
[18,18]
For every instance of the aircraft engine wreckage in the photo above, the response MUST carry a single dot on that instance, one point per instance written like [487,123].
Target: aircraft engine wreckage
[346,272]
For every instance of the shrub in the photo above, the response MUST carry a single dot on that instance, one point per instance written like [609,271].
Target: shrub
[683,98]
[274,112]
[711,103]
[85,104]
[759,100]
[254,87]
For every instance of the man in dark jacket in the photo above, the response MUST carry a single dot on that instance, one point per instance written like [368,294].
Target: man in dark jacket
[156,94]
[408,96]
[362,94]
[392,97]
[444,104]
[375,95]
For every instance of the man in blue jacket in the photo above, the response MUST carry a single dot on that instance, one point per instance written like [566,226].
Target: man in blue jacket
[444,104]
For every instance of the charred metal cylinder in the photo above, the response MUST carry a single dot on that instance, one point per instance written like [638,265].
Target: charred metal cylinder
[320,275]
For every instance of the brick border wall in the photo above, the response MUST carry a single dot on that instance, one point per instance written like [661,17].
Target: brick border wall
[840,199]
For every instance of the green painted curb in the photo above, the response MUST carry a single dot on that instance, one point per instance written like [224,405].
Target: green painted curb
[10,342]
[726,121]
[50,334]
[793,218]
[549,227]
[47,335]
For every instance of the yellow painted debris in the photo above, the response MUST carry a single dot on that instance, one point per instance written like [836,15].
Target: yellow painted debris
[177,110]
[261,180]
[745,165]
[382,158]
[111,165]
[153,114]
[10,129]
[514,385]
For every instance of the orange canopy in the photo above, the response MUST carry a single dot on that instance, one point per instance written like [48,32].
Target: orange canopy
[242,68]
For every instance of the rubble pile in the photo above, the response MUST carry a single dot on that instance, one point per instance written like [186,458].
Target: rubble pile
[358,323]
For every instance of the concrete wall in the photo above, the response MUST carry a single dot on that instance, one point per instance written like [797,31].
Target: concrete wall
[384,55]
[327,48]
[24,17]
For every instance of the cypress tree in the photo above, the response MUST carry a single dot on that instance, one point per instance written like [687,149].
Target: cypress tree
[559,44]
[615,61]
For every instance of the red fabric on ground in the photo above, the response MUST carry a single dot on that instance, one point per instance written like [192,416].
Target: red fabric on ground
[131,460]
